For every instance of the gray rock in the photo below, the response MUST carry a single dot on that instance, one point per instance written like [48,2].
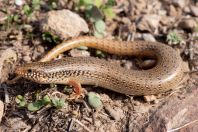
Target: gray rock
[148,22]
[117,114]
[194,10]
[180,3]
[176,113]
[188,24]
[79,53]
[148,37]
[64,24]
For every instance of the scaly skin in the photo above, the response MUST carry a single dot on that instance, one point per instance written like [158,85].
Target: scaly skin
[167,74]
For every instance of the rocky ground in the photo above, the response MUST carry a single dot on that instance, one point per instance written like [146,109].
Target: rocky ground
[29,29]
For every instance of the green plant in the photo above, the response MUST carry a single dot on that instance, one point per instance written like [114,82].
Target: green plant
[48,37]
[94,100]
[36,4]
[95,11]
[52,4]
[99,53]
[39,103]
[67,89]
[58,102]
[35,106]
[29,9]
[21,101]
[174,38]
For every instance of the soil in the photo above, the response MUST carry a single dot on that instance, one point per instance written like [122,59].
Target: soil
[151,20]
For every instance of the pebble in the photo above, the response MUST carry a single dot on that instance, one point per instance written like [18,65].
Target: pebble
[117,114]
[19,2]
[149,98]
[148,37]
[27,58]
[79,53]
[148,22]
[194,10]
[180,3]
[188,24]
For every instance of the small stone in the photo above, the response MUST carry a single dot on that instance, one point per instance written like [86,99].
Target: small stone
[175,11]
[148,37]
[79,53]
[188,24]
[40,49]
[167,21]
[148,23]
[27,58]
[64,24]
[117,114]
[3,17]
[187,10]
[136,103]
[149,98]
[180,3]
[97,123]
[28,27]
[172,11]
[194,10]
[128,64]
[7,58]
[19,2]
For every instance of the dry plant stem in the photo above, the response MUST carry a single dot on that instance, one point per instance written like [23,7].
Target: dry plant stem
[185,125]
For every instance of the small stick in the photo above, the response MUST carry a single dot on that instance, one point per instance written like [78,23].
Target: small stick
[81,124]
[173,130]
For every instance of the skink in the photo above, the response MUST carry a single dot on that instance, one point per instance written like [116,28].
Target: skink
[167,74]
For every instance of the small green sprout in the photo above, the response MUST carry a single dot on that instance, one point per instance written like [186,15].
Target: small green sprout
[36,4]
[46,100]
[48,37]
[37,105]
[95,11]
[34,106]
[99,53]
[174,38]
[58,102]
[94,100]
[67,89]
[27,10]
[21,101]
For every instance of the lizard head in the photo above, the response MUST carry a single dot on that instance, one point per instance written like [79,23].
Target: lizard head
[32,71]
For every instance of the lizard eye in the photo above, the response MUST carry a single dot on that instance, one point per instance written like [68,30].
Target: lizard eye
[29,70]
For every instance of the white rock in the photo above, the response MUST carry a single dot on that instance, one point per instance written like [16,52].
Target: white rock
[148,37]
[149,23]
[180,3]
[19,2]
[194,10]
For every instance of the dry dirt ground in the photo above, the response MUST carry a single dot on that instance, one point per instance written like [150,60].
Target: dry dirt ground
[22,38]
